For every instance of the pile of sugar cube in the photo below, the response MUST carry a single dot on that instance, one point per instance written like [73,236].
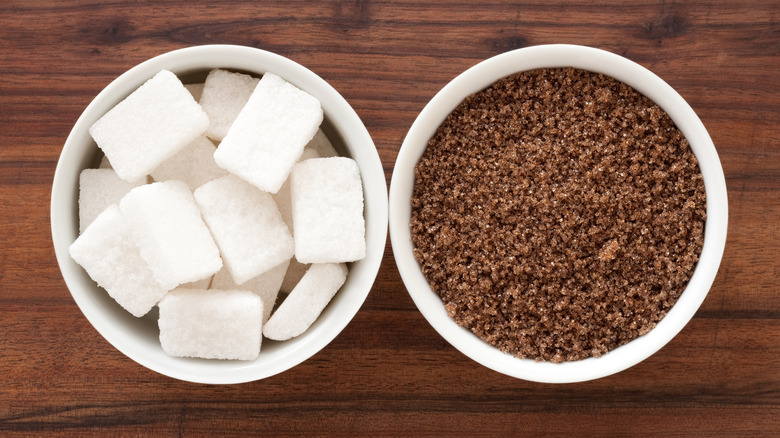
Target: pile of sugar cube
[210,200]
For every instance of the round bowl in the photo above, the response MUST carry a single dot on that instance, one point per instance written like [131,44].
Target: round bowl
[138,338]
[480,77]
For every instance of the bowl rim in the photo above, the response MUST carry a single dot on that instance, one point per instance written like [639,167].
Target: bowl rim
[478,78]
[350,298]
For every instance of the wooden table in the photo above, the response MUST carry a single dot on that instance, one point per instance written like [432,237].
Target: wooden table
[389,373]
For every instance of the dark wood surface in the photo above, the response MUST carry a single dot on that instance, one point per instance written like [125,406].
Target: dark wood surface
[389,373]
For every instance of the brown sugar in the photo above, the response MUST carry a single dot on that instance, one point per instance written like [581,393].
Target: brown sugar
[558,214]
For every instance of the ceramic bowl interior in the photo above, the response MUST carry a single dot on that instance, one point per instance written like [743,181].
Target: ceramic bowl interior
[480,77]
[138,338]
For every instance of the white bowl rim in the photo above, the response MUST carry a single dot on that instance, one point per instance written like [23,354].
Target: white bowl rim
[359,282]
[481,76]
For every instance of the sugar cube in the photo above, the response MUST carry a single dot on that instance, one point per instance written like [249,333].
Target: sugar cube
[308,153]
[293,275]
[196,90]
[104,163]
[211,324]
[224,95]
[246,225]
[327,211]
[107,251]
[269,134]
[322,145]
[194,165]
[305,303]
[153,123]
[265,285]
[282,197]
[99,188]
[200,284]
[170,233]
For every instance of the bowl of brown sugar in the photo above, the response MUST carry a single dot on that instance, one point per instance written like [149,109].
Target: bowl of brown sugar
[558,213]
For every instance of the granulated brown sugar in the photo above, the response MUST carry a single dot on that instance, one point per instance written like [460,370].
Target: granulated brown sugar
[558,214]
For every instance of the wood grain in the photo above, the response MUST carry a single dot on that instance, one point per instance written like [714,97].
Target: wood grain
[389,373]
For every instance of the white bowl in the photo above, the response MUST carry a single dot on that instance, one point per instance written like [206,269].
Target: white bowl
[138,337]
[480,77]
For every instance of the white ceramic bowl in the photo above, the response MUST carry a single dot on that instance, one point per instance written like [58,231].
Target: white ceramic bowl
[480,77]
[138,337]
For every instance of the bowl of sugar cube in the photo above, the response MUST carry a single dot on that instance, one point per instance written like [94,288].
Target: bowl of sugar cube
[219,213]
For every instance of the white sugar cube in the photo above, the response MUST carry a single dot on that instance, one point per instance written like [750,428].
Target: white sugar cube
[200,284]
[99,188]
[265,285]
[247,226]
[153,123]
[211,324]
[224,95]
[269,134]
[194,165]
[308,153]
[327,211]
[322,145]
[107,251]
[169,231]
[293,275]
[282,197]
[305,303]
[195,89]
[104,163]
